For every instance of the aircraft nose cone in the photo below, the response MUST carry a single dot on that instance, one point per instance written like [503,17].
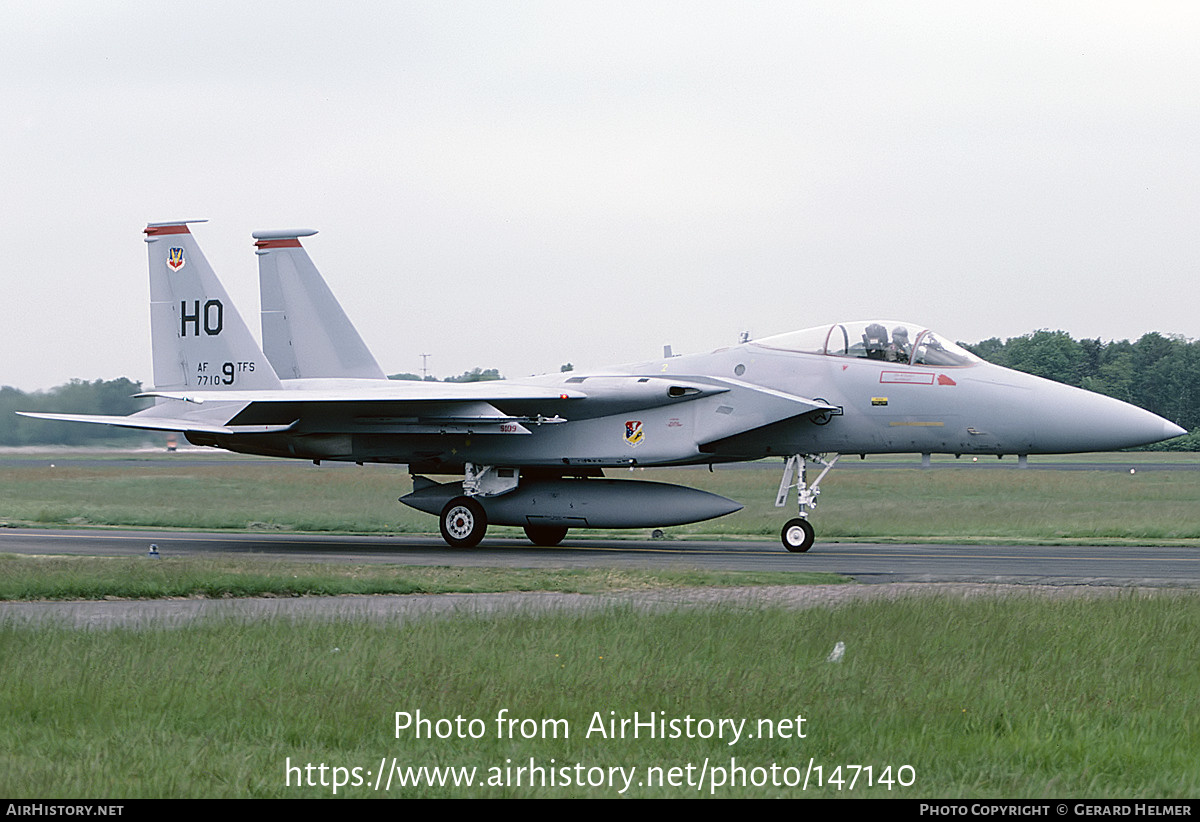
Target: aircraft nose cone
[1060,419]
[1143,427]
[1112,424]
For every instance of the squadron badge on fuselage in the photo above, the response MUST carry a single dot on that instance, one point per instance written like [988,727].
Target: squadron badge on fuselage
[634,433]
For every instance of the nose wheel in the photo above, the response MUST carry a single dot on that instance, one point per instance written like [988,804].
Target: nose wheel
[798,535]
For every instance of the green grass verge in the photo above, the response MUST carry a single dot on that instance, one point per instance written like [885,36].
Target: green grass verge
[965,503]
[69,578]
[1020,698]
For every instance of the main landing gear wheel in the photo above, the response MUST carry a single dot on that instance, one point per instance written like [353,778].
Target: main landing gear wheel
[546,535]
[463,522]
[798,535]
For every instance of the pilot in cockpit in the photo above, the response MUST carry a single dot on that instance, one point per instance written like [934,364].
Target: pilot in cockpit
[875,342]
[899,350]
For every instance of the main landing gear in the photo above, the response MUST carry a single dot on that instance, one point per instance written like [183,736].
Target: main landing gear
[463,522]
[798,534]
[546,536]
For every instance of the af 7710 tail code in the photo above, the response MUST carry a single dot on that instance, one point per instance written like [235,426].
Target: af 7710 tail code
[532,453]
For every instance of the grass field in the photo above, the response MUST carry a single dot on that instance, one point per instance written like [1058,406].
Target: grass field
[80,578]
[940,698]
[966,502]
[1022,698]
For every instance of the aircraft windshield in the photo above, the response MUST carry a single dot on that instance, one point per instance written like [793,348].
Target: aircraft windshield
[883,340]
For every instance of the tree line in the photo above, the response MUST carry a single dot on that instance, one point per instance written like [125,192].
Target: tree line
[474,375]
[1160,373]
[75,397]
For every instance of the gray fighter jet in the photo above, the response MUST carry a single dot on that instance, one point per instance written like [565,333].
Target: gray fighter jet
[532,452]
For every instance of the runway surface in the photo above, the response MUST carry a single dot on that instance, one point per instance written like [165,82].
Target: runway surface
[912,570]
[865,563]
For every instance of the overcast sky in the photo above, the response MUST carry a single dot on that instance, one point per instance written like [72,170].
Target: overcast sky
[516,185]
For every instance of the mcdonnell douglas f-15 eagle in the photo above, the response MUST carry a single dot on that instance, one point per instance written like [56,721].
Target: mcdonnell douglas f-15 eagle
[532,452]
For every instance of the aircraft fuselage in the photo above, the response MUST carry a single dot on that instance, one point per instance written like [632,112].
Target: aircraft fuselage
[878,407]
[531,452]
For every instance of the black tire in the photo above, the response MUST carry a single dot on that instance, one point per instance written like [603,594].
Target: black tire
[797,535]
[546,535]
[463,522]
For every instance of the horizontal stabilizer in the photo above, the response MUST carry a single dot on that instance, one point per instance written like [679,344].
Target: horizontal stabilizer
[153,423]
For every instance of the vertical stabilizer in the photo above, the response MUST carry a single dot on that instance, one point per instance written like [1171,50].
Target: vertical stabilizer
[199,339]
[305,331]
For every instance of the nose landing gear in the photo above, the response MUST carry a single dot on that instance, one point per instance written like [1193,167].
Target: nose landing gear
[798,534]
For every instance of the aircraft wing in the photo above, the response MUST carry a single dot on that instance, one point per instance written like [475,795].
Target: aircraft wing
[376,391]
[403,407]
[428,407]
[321,404]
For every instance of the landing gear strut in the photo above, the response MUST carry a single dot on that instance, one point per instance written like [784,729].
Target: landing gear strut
[463,521]
[798,534]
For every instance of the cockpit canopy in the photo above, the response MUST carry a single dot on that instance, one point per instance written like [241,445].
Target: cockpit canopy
[883,340]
